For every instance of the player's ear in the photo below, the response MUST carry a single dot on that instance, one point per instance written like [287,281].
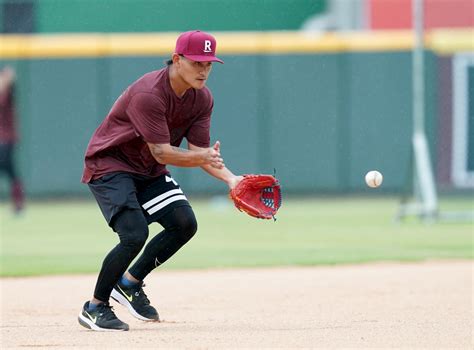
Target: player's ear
[175,58]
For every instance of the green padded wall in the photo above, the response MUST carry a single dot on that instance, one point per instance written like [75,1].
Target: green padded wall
[321,120]
[64,99]
[301,100]
[380,116]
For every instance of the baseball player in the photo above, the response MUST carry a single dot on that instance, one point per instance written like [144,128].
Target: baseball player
[125,168]
[9,137]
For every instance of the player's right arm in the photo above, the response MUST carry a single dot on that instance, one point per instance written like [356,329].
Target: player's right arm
[7,76]
[176,156]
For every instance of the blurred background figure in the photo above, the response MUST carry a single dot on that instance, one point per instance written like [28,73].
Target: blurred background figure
[9,137]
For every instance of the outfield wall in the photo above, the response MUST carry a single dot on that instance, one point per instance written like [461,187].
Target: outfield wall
[321,111]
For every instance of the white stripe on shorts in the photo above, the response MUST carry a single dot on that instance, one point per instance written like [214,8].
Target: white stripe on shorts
[166,202]
[159,198]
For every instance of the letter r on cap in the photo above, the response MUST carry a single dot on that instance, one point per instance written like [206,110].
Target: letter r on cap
[207,46]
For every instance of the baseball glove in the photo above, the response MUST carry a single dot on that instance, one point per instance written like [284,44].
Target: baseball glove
[257,195]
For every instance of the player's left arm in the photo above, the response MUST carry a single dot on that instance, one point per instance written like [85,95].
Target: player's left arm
[223,174]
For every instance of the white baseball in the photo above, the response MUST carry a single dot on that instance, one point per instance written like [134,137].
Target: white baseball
[373,178]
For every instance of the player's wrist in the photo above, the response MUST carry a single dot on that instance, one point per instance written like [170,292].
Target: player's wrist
[233,180]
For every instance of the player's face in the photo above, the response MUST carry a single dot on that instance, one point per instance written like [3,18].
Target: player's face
[194,73]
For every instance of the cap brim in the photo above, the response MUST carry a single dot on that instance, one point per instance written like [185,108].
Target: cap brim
[203,58]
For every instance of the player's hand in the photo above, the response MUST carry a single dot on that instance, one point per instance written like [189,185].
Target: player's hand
[212,156]
[217,146]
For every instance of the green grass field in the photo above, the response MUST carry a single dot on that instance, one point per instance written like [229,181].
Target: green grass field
[62,237]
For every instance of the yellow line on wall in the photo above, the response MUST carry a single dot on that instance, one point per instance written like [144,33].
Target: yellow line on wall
[446,42]
[229,43]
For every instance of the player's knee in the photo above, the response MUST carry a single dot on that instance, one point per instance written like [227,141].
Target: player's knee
[132,229]
[187,228]
[136,239]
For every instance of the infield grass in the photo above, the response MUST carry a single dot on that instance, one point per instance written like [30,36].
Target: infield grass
[63,237]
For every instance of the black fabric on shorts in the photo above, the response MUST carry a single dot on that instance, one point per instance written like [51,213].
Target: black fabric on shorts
[6,160]
[153,196]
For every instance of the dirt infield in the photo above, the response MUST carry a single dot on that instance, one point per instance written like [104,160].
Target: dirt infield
[382,305]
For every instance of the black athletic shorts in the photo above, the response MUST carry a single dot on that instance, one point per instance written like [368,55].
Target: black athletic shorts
[117,191]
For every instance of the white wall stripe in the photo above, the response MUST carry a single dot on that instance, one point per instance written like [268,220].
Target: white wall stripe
[165,203]
[159,198]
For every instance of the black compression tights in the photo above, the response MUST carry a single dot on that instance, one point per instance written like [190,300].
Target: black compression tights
[6,161]
[131,226]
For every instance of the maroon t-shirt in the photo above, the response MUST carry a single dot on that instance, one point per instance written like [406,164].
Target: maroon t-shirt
[148,111]
[7,117]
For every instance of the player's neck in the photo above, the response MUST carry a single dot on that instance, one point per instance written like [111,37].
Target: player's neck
[177,83]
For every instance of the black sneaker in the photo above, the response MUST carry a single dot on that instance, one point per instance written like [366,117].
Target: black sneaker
[136,301]
[101,319]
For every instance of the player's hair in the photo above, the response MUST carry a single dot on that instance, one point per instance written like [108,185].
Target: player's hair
[170,61]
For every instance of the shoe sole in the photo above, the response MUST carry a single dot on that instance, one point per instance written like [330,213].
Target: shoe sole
[119,298]
[83,321]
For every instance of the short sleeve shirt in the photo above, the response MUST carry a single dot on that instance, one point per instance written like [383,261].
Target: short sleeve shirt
[148,111]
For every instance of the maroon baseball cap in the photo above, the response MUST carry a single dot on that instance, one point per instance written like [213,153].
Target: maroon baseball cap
[197,46]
